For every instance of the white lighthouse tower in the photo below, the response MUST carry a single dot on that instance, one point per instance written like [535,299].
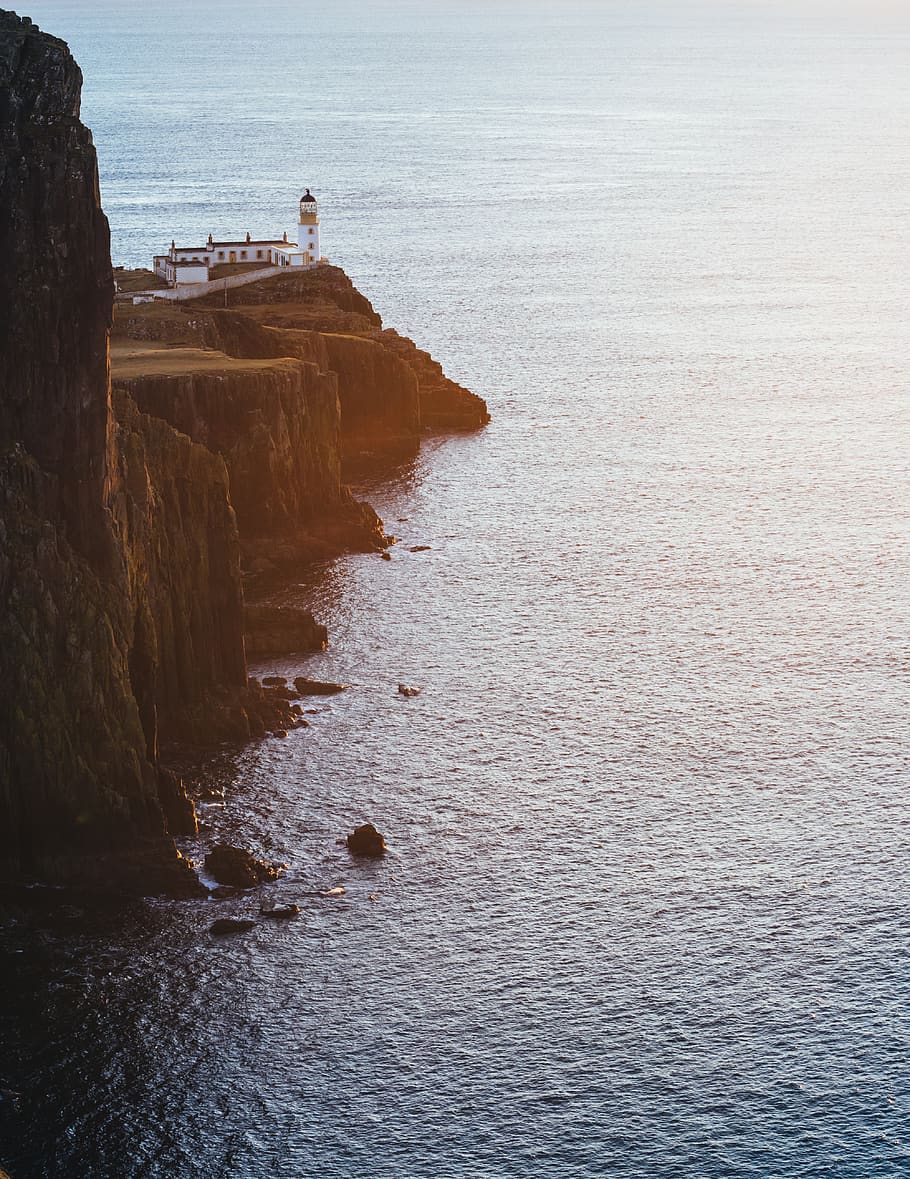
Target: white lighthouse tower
[308,229]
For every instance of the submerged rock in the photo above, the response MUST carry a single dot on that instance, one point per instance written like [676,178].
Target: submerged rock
[308,687]
[234,866]
[366,841]
[226,925]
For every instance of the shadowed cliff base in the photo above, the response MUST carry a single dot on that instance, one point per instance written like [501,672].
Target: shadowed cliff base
[122,619]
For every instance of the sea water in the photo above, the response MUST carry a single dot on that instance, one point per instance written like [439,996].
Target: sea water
[645,911]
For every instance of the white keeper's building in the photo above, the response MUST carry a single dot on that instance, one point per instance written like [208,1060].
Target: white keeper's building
[193,264]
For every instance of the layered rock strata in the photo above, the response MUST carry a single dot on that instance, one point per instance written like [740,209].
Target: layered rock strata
[389,391]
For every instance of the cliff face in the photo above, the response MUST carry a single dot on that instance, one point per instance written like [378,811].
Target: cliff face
[75,783]
[277,426]
[380,406]
[178,534]
[119,582]
[54,242]
[388,395]
[333,391]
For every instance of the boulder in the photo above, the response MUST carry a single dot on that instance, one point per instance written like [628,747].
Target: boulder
[308,687]
[236,867]
[404,690]
[366,841]
[230,925]
[281,912]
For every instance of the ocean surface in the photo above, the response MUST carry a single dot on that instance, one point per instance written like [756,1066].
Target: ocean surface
[646,911]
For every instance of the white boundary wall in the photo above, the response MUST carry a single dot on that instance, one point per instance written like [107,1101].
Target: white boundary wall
[194,290]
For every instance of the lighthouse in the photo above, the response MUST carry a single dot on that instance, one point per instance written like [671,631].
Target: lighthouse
[308,228]
[190,266]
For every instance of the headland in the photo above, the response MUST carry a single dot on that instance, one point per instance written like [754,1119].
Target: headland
[155,460]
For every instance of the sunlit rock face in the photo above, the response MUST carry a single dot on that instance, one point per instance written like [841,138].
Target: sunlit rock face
[389,390]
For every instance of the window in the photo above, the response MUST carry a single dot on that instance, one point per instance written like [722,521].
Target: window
[259,253]
[243,253]
[311,231]
[221,255]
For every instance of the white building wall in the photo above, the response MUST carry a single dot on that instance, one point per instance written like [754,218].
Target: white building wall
[192,273]
[309,241]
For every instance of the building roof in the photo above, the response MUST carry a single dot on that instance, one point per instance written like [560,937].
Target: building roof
[308,196]
[207,249]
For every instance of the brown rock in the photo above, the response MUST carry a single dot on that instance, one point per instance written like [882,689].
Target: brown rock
[366,841]
[281,912]
[179,812]
[308,687]
[236,867]
[278,630]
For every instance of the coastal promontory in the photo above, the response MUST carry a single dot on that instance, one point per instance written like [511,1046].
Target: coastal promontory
[131,514]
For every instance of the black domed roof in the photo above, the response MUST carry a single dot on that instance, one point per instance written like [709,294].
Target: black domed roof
[308,196]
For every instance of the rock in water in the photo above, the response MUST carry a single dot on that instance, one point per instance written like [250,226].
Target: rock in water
[281,912]
[366,841]
[404,690]
[231,925]
[278,630]
[234,866]
[308,687]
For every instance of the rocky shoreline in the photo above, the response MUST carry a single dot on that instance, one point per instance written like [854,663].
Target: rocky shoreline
[155,461]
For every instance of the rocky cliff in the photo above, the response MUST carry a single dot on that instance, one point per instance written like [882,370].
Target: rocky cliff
[121,607]
[120,602]
[390,390]
[54,242]
[276,424]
